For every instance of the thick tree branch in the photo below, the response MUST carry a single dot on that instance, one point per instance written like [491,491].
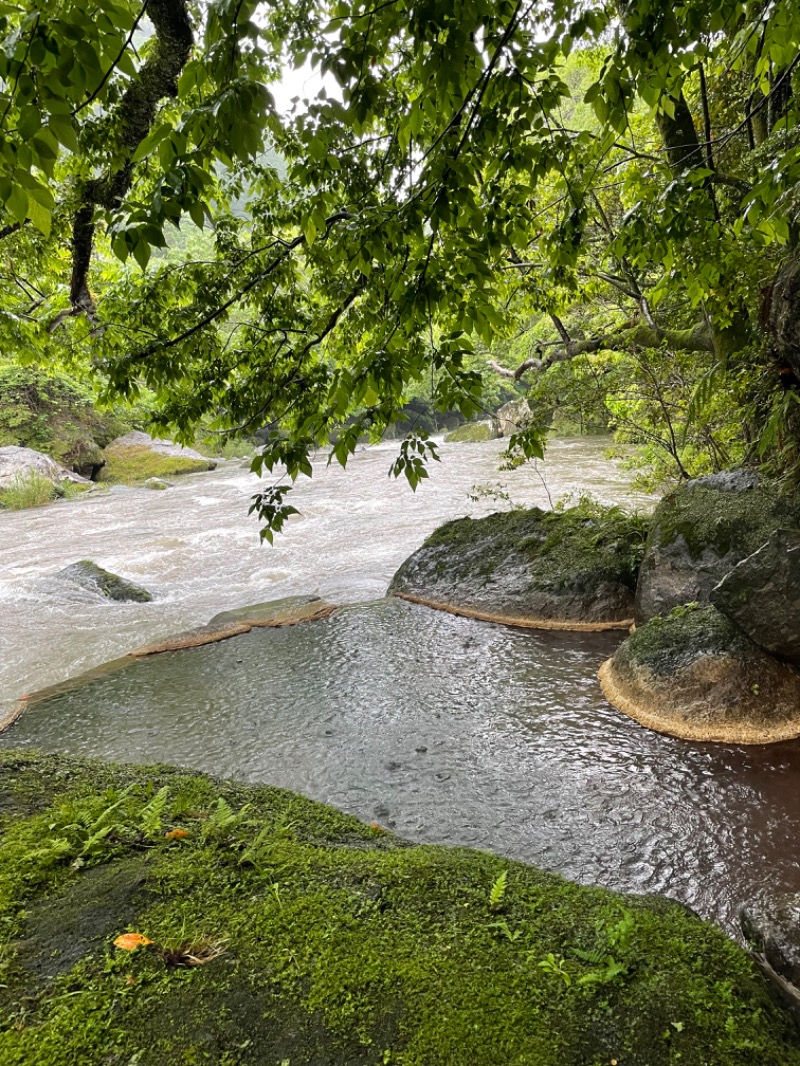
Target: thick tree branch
[158,80]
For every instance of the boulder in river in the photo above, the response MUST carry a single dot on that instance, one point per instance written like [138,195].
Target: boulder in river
[136,457]
[694,674]
[700,531]
[573,569]
[513,416]
[762,595]
[158,484]
[18,463]
[275,929]
[472,433]
[93,578]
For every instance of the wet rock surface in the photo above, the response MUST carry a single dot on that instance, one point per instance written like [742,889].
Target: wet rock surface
[771,925]
[93,578]
[700,532]
[568,569]
[695,675]
[762,595]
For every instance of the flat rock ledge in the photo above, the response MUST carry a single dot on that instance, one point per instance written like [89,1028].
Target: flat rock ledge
[275,614]
[290,611]
[694,675]
[566,570]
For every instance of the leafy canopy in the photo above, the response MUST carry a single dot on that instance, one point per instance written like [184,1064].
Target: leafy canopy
[473,163]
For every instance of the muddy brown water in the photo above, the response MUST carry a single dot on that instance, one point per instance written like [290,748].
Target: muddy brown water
[442,728]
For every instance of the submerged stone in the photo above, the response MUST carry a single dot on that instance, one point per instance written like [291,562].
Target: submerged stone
[572,569]
[277,929]
[274,614]
[287,611]
[695,675]
[762,595]
[700,531]
[93,578]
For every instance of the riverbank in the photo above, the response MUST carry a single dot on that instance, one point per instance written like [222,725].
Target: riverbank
[276,929]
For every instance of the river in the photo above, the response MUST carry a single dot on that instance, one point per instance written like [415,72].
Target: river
[444,729]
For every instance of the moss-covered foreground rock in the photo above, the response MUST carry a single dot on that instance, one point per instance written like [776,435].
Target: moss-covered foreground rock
[694,674]
[570,569]
[285,932]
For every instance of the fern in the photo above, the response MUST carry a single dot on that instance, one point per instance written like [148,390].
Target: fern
[151,821]
[497,892]
[222,820]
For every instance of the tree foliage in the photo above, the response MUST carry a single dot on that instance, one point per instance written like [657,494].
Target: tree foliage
[470,166]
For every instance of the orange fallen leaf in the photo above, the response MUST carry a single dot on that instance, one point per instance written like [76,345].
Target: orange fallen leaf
[131,941]
[374,825]
[176,834]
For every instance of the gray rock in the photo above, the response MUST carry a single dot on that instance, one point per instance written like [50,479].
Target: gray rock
[727,481]
[21,462]
[91,577]
[771,925]
[762,595]
[512,417]
[157,483]
[700,532]
[563,570]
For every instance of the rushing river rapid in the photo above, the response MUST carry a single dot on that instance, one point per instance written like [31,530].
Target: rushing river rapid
[442,728]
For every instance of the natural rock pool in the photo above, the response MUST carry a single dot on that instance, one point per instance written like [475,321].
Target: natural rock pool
[452,730]
[442,728]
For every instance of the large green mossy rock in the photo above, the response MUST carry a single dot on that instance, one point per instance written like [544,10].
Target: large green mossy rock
[570,569]
[700,531]
[137,457]
[285,932]
[694,674]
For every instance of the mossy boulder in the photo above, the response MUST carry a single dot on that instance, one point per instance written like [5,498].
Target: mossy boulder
[762,595]
[93,578]
[472,433]
[276,613]
[283,931]
[50,412]
[137,457]
[570,569]
[694,674]
[700,531]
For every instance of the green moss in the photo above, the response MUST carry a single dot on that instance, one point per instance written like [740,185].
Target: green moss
[726,521]
[470,433]
[53,413]
[131,465]
[559,545]
[340,944]
[665,644]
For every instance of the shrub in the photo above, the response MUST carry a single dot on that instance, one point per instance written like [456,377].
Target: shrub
[30,489]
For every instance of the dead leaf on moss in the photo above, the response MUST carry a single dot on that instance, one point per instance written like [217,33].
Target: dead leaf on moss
[176,834]
[132,941]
